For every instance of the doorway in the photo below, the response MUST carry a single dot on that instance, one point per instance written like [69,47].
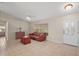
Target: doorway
[3,35]
[70,32]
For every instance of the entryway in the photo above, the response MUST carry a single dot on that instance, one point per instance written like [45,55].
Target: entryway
[71,31]
[3,36]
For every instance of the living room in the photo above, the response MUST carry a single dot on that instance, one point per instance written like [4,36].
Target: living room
[43,26]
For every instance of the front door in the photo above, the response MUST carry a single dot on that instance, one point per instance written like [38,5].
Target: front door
[70,34]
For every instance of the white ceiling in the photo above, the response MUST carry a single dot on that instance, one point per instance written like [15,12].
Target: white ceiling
[37,10]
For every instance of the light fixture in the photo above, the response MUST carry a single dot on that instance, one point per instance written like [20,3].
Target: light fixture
[68,6]
[28,18]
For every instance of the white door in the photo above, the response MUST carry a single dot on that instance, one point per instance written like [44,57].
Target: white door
[70,34]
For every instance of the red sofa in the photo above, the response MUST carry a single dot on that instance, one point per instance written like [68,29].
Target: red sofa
[38,36]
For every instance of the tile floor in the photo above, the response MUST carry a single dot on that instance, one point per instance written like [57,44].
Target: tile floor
[45,48]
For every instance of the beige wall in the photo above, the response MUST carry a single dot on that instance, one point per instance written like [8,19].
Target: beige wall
[13,24]
[55,27]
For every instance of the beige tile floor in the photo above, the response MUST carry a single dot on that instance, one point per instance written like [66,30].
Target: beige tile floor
[45,48]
